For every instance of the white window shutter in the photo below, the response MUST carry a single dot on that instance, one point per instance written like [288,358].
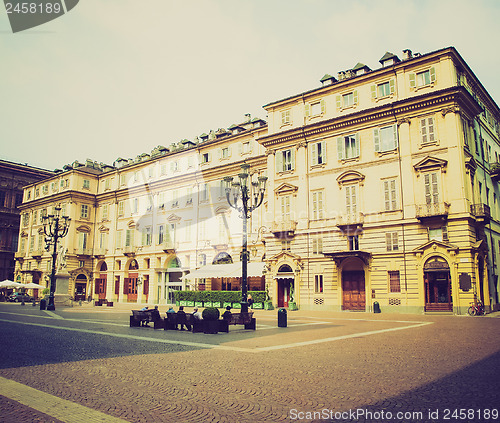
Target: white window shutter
[314,154]
[413,81]
[308,110]
[392,86]
[355,96]
[229,151]
[338,102]
[395,128]
[374,91]
[292,151]
[323,151]
[240,148]
[432,72]
[323,106]
[376,139]
[357,145]
[340,148]
[279,161]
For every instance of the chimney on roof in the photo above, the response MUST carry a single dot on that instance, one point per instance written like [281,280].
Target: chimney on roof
[248,117]
[407,54]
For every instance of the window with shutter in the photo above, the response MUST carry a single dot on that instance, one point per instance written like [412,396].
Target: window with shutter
[285,160]
[351,200]
[389,240]
[285,208]
[390,194]
[423,79]
[386,138]
[431,188]
[427,130]
[348,147]
[318,153]
[285,117]
[317,203]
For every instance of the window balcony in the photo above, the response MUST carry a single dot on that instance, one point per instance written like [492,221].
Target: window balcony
[481,212]
[129,250]
[37,254]
[352,220]
[83,252]
[19,255]
[495,171]
[100,253]
[169,246]
[284,229]
[432,210]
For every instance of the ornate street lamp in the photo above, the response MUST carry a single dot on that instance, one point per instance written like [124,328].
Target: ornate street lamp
[54,227]
[245,196]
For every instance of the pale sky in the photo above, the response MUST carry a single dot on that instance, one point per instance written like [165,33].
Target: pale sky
[115,78]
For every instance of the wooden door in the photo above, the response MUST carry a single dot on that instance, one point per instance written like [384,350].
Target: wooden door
[132,287]
[100,287]
[284,292]
[353,288]
[438,291]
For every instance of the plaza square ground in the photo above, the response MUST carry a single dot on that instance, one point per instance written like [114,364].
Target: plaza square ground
[87,364]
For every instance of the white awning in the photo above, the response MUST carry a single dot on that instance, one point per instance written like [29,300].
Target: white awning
[230,270]
[288,275]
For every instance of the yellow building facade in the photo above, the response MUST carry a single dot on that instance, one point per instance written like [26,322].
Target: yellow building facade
[383,187]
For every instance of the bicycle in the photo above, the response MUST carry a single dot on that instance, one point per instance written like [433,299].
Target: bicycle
[476,309]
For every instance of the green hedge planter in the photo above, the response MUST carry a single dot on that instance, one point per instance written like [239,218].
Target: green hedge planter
[268,305]
[177,303]
[292,306]
[216,304]
[207,304]
[258,306]
[224,305]
[236,305]
[183,303]
[199,304]
[190,303]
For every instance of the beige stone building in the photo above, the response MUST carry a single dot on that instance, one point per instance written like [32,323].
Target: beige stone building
[383,187]
[139,226]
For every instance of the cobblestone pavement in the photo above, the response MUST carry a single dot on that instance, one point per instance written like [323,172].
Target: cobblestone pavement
[323,363]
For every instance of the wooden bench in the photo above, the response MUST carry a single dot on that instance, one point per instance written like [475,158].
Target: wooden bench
[245,319]
[140,318]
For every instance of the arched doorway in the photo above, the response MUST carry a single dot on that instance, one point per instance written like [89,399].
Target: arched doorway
[174,280]
[101,282]
[353,285]
[130,283]
[80,287]
[222,284]
[286,279]
[437,284]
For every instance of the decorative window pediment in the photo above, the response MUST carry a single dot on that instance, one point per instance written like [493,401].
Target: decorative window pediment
[430,163]
[286,188]
[131,224]
[103,228]
[83,228]
[221,210]
[470,165]
[173,218]
[349,177]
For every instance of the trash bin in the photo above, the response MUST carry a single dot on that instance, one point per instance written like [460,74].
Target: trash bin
[282,318]
[376,307]
[43,304]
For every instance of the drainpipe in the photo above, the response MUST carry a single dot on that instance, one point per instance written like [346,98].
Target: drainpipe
[489,222]
[402,192]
